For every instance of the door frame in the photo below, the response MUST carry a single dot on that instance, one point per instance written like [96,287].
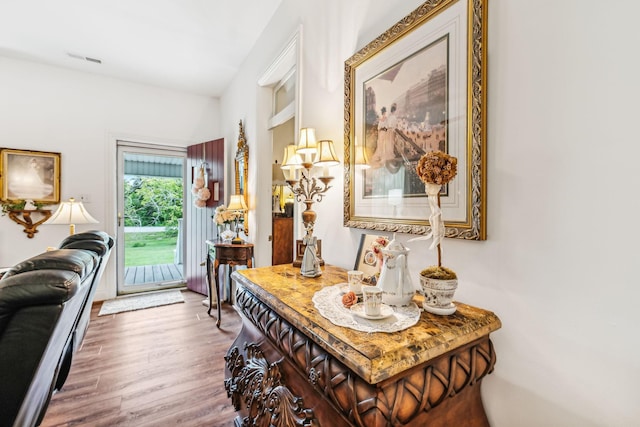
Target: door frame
[122,147]
[289,58]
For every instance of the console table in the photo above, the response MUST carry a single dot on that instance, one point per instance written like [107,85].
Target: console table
[294,367]
[229,254]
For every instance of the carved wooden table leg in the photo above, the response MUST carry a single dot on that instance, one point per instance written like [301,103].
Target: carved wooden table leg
[216,266]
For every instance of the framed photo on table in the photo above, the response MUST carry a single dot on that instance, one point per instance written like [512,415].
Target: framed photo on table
[419,87]
[367,260]
[30,175]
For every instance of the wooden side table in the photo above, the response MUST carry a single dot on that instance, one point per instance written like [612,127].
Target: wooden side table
[229,254]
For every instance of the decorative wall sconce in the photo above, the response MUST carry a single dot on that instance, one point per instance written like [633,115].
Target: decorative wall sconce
[20,211]
[23,218]
[307,189]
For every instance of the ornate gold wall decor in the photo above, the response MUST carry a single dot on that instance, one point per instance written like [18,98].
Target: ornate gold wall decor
[398,113]
[242,171]
[23,218]
[30,175]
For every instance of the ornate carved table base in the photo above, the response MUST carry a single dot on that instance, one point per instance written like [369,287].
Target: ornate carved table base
[276,375]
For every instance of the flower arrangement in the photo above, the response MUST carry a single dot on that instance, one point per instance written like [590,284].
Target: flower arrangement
[200,190]
[435,169]
[438,283]
[224,216]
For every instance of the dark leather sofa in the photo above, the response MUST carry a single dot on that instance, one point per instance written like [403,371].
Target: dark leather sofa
[45,305]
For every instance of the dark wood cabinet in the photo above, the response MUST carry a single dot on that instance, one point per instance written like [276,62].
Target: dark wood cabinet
[282,243]
[312,372]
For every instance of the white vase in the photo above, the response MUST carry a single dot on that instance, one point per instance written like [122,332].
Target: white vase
[438,295]
[227,234]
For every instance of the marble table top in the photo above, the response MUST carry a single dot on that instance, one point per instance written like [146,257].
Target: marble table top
[373,356]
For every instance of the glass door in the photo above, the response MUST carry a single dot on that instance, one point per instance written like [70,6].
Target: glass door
[150,217]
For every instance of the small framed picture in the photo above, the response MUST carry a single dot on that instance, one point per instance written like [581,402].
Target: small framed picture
[367,260]
[30,175]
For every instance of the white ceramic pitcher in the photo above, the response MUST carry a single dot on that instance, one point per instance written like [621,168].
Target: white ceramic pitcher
[395,280]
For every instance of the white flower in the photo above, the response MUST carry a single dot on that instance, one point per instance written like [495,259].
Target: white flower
[204,193]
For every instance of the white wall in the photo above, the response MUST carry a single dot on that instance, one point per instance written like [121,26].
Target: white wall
[81,116]
[562,175]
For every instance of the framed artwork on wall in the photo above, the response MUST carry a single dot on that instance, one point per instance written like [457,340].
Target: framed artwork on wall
[30,175]
[419,87]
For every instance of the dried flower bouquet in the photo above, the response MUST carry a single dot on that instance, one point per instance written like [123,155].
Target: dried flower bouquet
[435,169]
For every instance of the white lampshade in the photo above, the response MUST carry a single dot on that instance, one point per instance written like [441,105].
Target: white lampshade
[237,203]
[326,154]
[71,213]
[291,160]
[277,175]
[361,158]
[307,142]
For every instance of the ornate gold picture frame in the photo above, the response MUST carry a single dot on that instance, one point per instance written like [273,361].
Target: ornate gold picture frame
[420,86]
[30,175]
[241,163]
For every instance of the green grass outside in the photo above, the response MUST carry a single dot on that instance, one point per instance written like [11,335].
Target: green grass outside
[148,249]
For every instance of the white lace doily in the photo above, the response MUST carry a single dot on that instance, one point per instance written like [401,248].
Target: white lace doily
[328,301]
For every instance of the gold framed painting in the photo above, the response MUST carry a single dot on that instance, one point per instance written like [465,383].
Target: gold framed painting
[418,87]
[30,175]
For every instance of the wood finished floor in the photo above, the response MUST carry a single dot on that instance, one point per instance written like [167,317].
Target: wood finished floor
[161,366]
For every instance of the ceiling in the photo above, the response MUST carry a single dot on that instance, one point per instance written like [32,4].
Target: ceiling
[195,46]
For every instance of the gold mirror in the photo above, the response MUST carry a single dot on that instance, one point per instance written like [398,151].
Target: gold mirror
[242,171]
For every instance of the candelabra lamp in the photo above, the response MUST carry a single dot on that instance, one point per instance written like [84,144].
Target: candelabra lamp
[309,188]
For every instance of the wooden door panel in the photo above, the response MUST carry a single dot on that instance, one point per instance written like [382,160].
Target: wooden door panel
[199,221]
[282,249]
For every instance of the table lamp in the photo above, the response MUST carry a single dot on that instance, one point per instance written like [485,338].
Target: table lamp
[71,213]
[237,205]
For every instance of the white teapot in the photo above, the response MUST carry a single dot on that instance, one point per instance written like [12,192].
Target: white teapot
[395,280]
